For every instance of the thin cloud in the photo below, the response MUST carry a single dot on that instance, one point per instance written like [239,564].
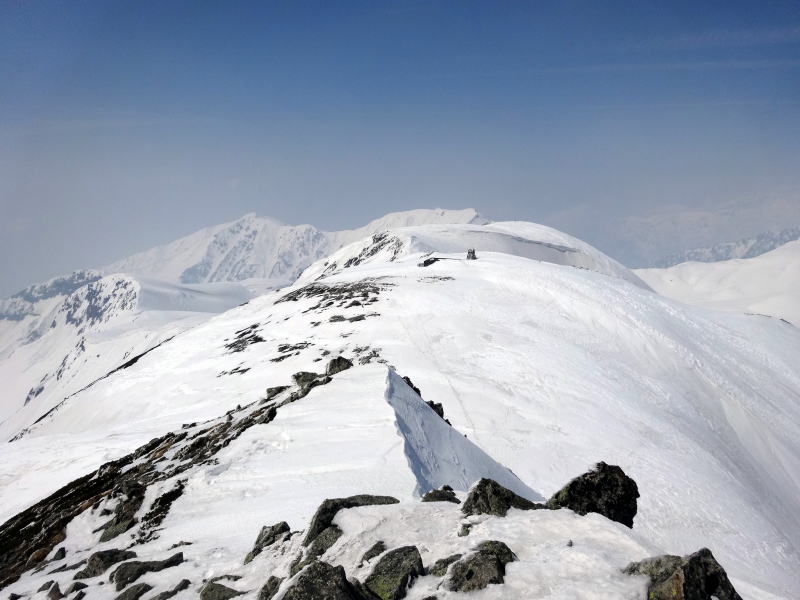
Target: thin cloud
[707,65]
[722,39]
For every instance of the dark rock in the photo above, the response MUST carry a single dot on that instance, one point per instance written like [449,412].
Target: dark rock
[269,589]
[465,529]
[60,553]
[274,391]
[376,549]
[66,567]
[488,497]
[77,585]
[605,490]
[485,566]
[438,409]
[158,511]
[267,537]
[318,547]
[328,509]
[321,581]
[13,596]
[79,596]
[46,586]
[443,494]
[305,378]
[439,568]
[100,561]
[182,585]
[54,592]
[131,571]
[697,576]
[123,520]
[135,592]
[337,365]
[412,386]
[217,591]
[395,573]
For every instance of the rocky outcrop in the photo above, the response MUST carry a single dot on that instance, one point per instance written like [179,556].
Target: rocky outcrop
[488,497]
[485,566]
[182,585]
[328,509]
[395,573]
[269,589]
[217,591]
[135,592]
[376,549]
[267,537]
[99,562]
[439,568]
[321,580]
[695,577]
[337,365]
[131,571]
[605,490]
[443,494]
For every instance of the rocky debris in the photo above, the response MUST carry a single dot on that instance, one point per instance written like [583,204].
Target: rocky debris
[477,570]
[217,591]
[439,568]
[54,592]
[244,338]
[306,380]
[337,365]
[697,576]
[267,537]
[488,497]
[135,592]
[158,512]
[131,571]
[319,580]
[471,254]
[274,391]
[269,589]
[605,490]
[376,549]
[443,494]
[318,547]
[324,515]
[76,585]
[99,562]
[395,573]
[124,513]
[182,585]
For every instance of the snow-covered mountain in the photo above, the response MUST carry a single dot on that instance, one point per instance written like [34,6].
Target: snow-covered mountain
[545,356]
[749,247]
[768,284]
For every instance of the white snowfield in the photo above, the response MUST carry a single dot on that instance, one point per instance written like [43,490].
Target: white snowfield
[545,366]
[768,284]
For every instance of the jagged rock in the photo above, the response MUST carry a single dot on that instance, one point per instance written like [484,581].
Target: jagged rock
[77,585]
[443,494]
[395,573]
[228,577]
[100,561]
[45,586]
[412,386]
[13,596]
[182,585]
[488,497]
[71,567]
[319,580]
[79,596]
[305,378]
[697,576]
[217,591]
[269,589]
[605,490]
[337,365]
[328,509]
[274,391]
[318,547]
[485,566]
[60,553]
[465,529]
[267,537]
[438,409]
[376,549]
[439,568]
[54,593]
[124,512]
[135,592]
[158,511]
[131,571]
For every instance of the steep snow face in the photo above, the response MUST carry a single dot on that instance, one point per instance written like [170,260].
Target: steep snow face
[261,248]
[546,368]
[766,285]
[528,240]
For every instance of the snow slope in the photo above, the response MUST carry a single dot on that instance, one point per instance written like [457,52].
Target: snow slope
[768,284]
[545,367]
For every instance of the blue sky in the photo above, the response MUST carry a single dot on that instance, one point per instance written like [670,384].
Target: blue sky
[127,124]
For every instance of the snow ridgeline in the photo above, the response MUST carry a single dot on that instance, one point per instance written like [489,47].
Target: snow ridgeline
[113,533]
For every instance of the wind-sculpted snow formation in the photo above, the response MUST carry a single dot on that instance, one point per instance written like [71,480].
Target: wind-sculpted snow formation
[542,368]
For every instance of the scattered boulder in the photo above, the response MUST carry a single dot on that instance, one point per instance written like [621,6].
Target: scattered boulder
[605,490]
[269,589]
[376,549]
[54,592]
[485,566]
[321,580]
[395,573]
[328,509]
[217,591]
[443,494]
[131,571]
[488,497]
[100,561]
[45,586]
[439,568]
[60,553]
[133,492]
[337,365]
[267,537]
[135,592]
[182,585]
[697,576]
